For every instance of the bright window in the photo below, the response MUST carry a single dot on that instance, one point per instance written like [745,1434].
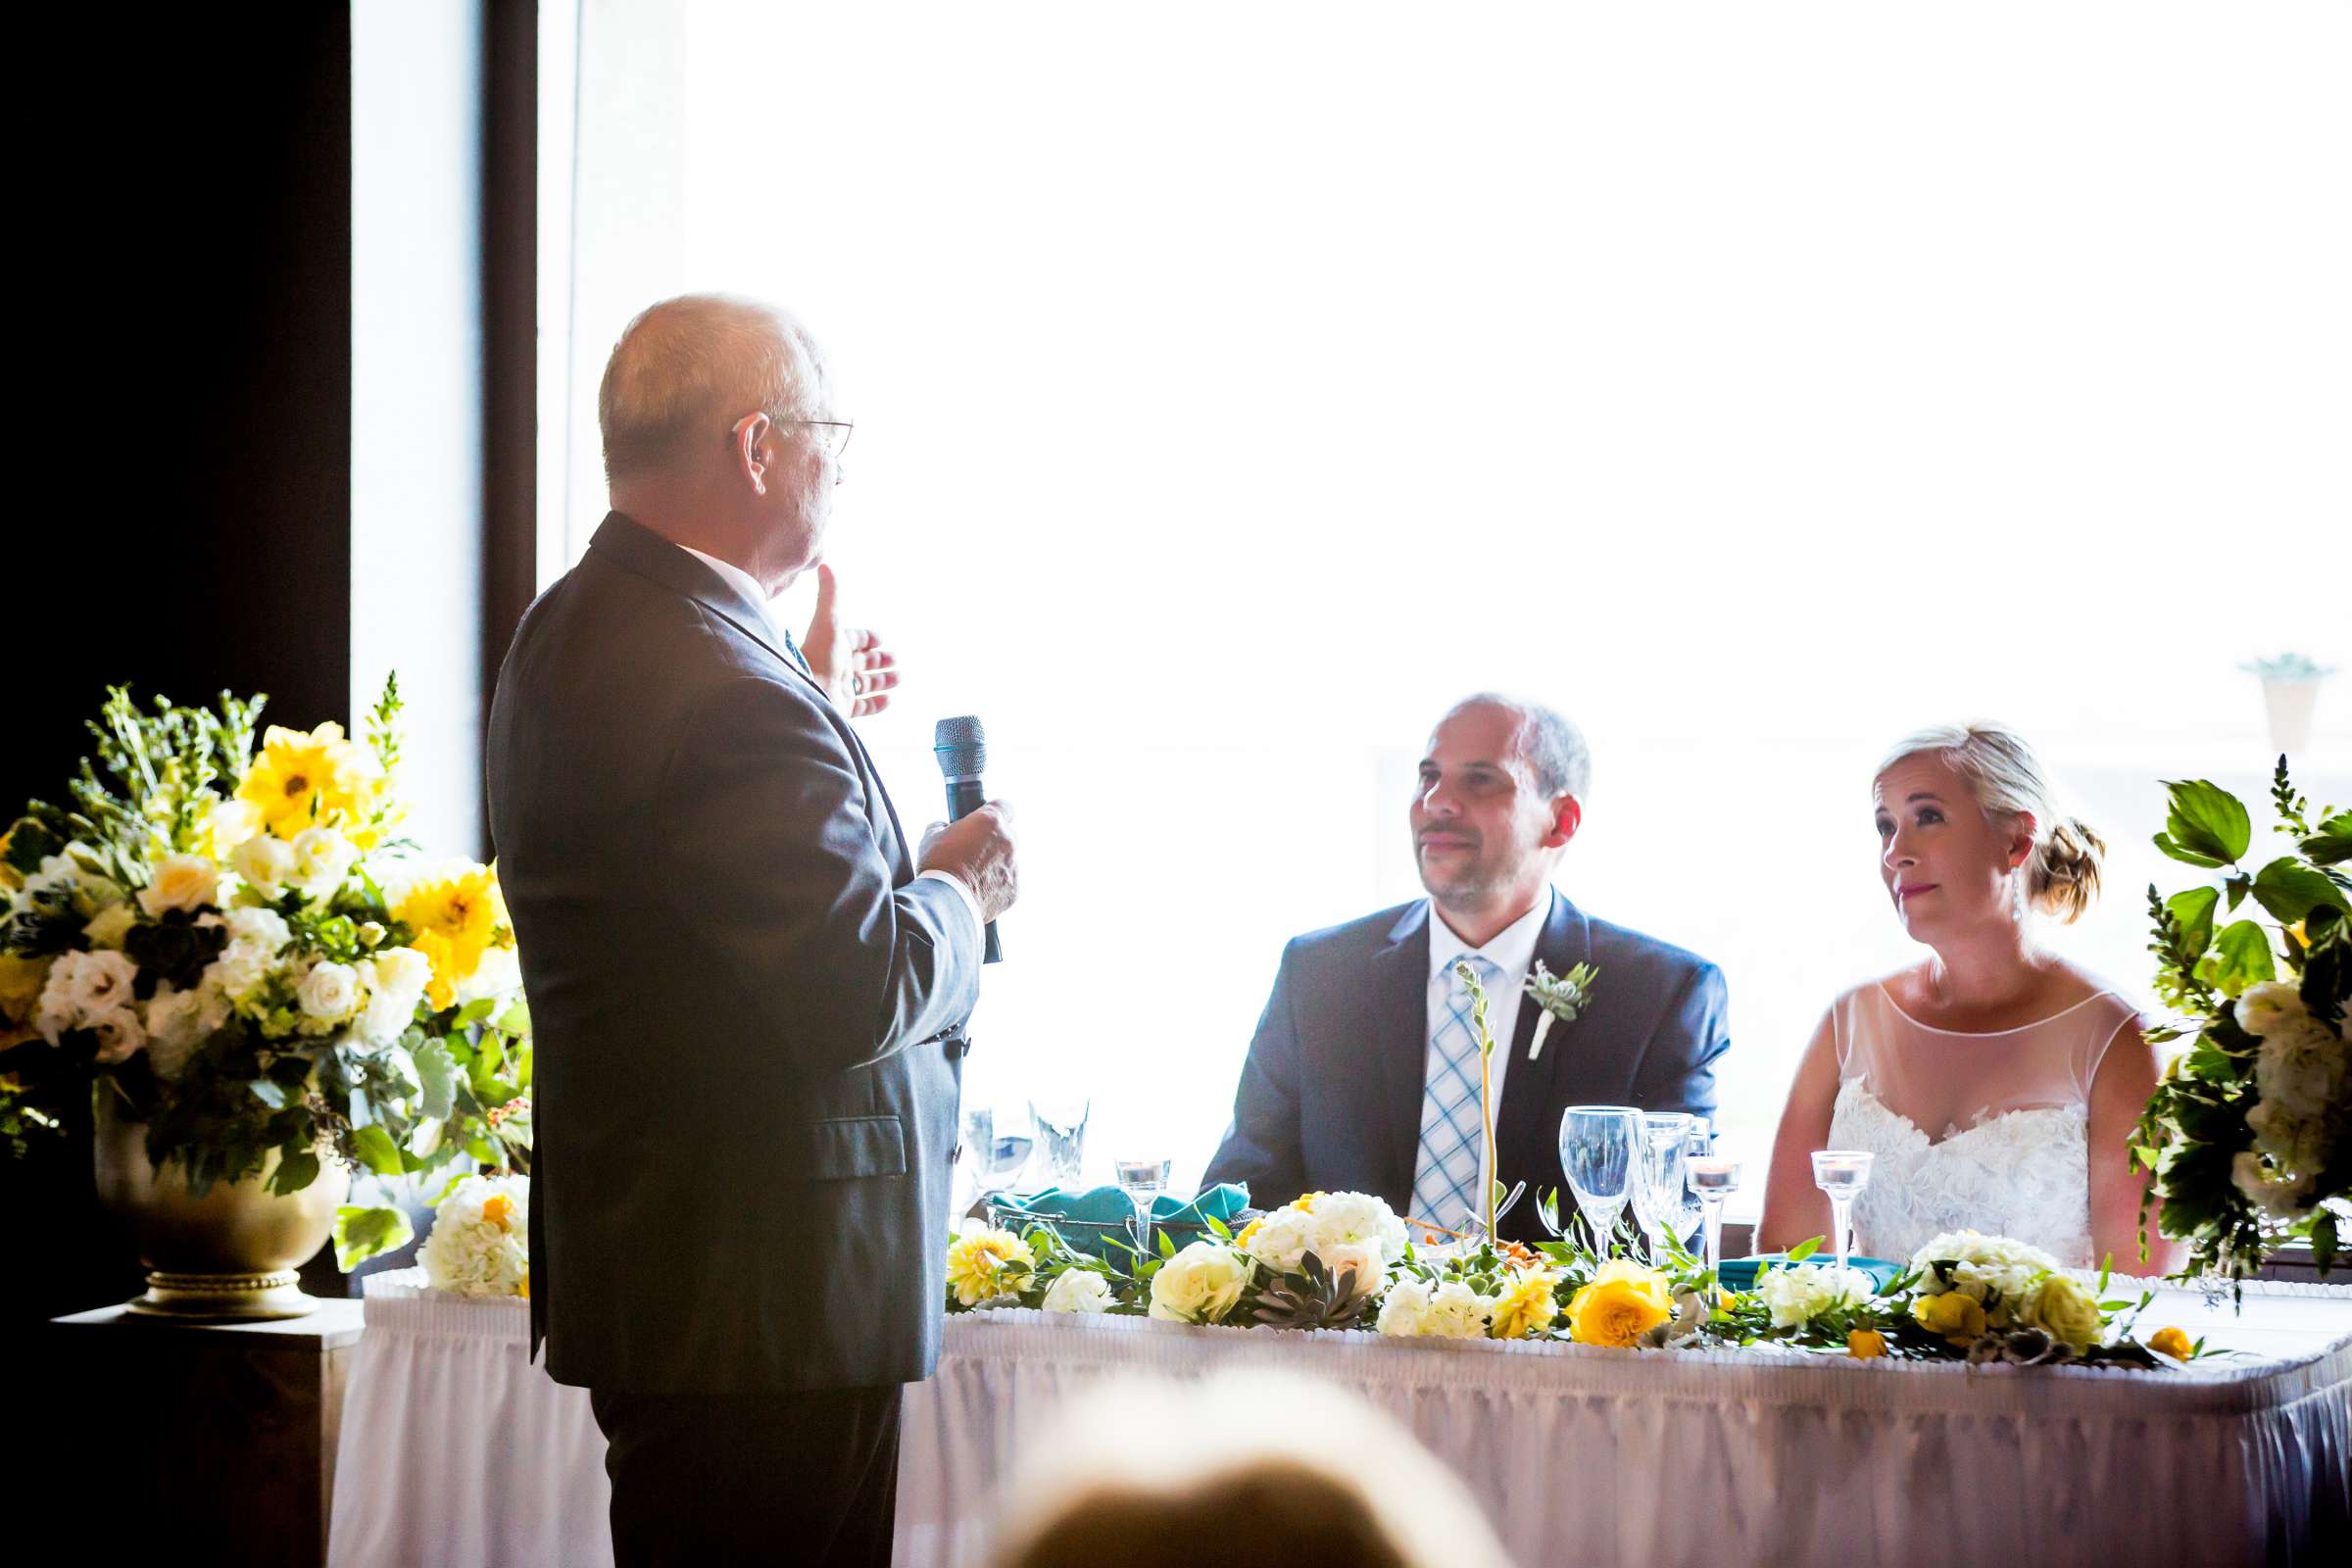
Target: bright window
[1238,385]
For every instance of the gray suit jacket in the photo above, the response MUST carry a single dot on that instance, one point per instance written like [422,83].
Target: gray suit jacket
[1330,1097]
[748,1011]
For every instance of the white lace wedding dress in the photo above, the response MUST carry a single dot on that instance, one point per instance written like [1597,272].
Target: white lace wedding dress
[1986,1131]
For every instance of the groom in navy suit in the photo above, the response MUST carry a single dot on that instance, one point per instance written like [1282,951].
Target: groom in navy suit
[1364,1073]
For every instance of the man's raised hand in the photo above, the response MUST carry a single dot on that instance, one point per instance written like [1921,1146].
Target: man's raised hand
[850,662]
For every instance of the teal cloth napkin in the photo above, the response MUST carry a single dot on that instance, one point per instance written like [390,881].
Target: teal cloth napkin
[1739,1273]
[1090,1220]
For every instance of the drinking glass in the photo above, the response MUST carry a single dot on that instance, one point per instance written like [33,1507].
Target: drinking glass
[1658,1177]
[1142,1180]
[979,1129]
[1004,1151]
[1842,1173]
[1597,1147]
[1059,1122]
[1713,1178]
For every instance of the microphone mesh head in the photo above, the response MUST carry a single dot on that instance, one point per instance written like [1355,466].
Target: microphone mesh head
[962,747]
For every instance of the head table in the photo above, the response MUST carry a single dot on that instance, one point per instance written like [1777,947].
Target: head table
[455,1449]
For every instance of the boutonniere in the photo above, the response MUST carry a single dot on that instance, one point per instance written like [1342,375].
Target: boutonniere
[1560,995]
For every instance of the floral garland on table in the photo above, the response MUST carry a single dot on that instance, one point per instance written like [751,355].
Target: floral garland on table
[241,951]
[1343,1260]
[2249,1134]
[479,1243]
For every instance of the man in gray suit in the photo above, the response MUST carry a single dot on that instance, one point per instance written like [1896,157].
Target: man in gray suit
[1363,1075]
[749,995]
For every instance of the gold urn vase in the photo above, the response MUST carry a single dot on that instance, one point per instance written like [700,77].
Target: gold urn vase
[232,1253]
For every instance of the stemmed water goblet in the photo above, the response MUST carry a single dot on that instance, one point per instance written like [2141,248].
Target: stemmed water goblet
[1658,1177]
[1842,1173]
[1141,1180]
[1599,1145]
[1713,1178]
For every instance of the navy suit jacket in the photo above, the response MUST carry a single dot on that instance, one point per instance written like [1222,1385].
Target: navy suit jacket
[748,1011]
[1330,1097]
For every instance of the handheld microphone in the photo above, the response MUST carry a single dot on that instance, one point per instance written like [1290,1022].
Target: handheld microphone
[962,747]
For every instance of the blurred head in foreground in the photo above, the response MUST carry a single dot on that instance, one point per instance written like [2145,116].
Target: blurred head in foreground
[1242,1469]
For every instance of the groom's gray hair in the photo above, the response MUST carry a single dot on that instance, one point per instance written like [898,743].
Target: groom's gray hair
[1551,744]
[686,366]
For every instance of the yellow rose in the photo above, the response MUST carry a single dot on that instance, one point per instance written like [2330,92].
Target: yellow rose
[498,1210]
[2173,1342]
[1526,1306]
[2069,1312]
[987,1265]
[21,983]
[1200,1284]
[1955,1314]
[1624,1301]
[1865,1344]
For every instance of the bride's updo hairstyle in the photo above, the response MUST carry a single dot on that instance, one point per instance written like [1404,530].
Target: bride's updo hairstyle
[2062,874]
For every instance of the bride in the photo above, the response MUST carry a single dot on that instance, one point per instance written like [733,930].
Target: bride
[1996,1083]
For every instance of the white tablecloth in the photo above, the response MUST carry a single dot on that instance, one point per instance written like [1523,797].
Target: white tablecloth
[455,1450]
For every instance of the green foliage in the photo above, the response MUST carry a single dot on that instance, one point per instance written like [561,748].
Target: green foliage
[2206,824]
[365,1233]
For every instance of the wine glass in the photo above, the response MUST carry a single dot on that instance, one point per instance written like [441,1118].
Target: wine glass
[1842,1173]
[1597,1145]
[979,1129]
[1142,1180]
[1059,1123]
[1697,1143]
[1713,1178]
[1007,1149]
[1658,1177]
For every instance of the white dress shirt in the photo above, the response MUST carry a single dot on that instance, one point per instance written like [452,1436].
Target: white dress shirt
[749,586]
[1513,951]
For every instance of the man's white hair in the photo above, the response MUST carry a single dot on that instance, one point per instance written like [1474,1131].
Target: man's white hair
[688,367]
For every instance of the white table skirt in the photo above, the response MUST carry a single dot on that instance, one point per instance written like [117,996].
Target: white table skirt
[456,1451]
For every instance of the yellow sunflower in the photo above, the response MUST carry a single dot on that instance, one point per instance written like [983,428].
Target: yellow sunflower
[456,917]
[301,780]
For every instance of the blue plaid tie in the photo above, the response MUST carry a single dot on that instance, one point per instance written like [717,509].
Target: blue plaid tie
[1446,1178]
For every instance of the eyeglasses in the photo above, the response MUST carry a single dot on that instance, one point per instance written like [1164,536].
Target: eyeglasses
[832,436]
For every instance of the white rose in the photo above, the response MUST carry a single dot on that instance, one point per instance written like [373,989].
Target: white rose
[1200,1283]
[1342,1218]
[179,882]
[233,822]
[1079,1290]
[97,981]
[57,1010]
[119,1032]
[2300,1066]
[263,930]
[329,992]
[1365,1257]
[322,858]
[1281,1239]
[266,862]
[110,926]
[2293,1143]
[2264,1005]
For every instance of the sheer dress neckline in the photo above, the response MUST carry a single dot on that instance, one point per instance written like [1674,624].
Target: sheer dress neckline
[1986,1034]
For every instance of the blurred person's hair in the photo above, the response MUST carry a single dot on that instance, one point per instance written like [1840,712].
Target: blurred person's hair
[1163,1475]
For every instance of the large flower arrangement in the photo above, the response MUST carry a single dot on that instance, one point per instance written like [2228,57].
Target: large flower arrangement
[2250,1133]
[1342,1260]
[242,950]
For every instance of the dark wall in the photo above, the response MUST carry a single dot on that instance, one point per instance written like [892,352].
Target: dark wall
[181,294]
